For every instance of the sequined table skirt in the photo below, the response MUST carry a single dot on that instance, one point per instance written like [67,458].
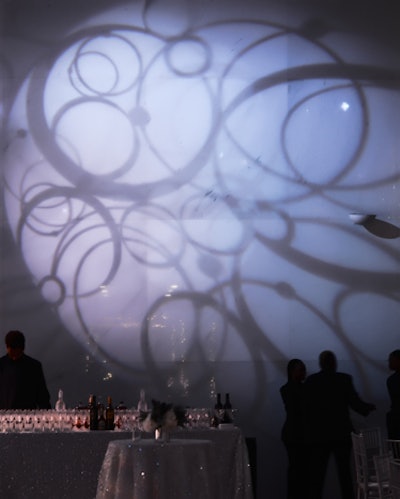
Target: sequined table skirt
[231,459]
[66,465]
[230,462]
[52,465]
[152,469]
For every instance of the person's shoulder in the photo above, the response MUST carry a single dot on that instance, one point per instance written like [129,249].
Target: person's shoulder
[283,388]
[312,382]
[30,360]
[313,377]
[344,378]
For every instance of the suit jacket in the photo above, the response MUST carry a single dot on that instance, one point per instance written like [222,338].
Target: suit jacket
[328,398]
[22,384]
[393,416]
[393,386]
[293,399]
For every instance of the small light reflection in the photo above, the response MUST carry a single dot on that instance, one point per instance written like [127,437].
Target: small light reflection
[345,106]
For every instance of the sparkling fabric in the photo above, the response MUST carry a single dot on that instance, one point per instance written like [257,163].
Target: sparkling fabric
[129,471]
[52,465]
[150,469]
[231,459]
[66,465]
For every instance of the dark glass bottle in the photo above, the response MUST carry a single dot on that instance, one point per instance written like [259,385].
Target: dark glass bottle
[227,404]
[101,422]
[109,414]
[228,416]
[218,412]
[93,414]
[218,404]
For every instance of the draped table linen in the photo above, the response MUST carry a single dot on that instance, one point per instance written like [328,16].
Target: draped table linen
[52,465]
[148,469]
[66,465]
[229,460]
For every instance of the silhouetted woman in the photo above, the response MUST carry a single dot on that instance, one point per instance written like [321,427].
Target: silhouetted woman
[293,430]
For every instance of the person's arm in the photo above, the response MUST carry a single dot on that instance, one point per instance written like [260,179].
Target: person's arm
[355,402]
[42,394]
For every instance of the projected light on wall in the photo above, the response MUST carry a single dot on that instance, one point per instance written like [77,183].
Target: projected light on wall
[164,189]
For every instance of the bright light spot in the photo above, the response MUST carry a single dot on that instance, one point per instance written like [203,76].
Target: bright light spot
[345,106]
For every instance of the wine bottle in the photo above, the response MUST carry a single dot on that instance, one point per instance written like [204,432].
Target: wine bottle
[228,417]
[218,404]
[93,414]
[101,422]
[218,411]
[109,414]
[227,404]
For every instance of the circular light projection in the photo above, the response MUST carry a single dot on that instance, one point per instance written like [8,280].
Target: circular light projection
[180,191]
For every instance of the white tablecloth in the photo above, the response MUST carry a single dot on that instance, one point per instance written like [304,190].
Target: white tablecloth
[67,465]
[52,465]
[150,469]
[230,462]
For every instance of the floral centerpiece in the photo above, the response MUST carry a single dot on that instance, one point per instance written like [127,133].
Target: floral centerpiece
[162,418]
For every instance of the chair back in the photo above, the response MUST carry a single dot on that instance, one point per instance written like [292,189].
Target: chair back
[394,478]
[360,461]
[382,470]
[373,444]
[394,447]
[373,440]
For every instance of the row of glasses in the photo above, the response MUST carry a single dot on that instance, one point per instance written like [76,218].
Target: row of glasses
[60,421]
[198,418]
[78,420]
[125,420]
[37,421]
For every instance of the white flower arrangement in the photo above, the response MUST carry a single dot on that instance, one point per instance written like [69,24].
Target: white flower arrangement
[162,415]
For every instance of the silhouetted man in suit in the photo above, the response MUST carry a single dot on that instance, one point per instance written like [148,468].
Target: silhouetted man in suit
[328,397]
[393,386]
[22,383]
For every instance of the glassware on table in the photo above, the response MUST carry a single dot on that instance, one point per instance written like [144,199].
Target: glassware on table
[137,432]
[28,422]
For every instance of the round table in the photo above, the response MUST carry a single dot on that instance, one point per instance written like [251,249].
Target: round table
[150,469]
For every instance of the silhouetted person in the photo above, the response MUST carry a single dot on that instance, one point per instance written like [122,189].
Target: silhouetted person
[22,383]
[293,429]
[393,386]
[328,397]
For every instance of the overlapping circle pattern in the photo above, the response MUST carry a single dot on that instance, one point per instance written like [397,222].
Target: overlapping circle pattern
[173,196]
